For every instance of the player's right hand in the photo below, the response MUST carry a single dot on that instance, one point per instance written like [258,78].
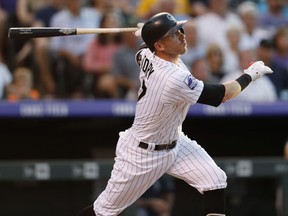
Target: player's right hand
[257,69]
[138,32]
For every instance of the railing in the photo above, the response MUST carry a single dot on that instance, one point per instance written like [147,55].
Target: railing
[120,108]
[75,170]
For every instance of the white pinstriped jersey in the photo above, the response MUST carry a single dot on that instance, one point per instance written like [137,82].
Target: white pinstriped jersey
[166,94]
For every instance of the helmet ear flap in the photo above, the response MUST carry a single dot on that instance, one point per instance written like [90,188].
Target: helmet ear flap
[143,46]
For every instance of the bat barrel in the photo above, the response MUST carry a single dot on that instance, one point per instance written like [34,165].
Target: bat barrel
[22,33]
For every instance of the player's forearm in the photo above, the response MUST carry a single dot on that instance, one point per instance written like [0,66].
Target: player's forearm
[232,89]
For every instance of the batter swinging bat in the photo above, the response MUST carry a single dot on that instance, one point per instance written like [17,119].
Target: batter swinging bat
[37,32]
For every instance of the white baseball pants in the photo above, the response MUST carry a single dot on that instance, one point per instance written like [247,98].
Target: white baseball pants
[136,169]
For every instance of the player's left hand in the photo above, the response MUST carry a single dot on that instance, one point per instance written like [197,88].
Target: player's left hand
[257,69]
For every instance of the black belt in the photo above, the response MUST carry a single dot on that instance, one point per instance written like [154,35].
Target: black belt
[158,147]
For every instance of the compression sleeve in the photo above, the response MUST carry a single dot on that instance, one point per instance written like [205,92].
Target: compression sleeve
[212,94]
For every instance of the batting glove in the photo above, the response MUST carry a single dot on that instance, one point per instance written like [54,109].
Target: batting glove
[138,32]
[257,69]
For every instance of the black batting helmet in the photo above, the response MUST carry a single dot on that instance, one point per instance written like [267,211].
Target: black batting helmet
[159,26]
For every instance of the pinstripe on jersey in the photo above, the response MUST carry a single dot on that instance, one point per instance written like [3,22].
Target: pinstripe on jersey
[163,108]
[167,92]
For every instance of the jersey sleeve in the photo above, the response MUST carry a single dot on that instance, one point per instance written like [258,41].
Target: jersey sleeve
[182,87]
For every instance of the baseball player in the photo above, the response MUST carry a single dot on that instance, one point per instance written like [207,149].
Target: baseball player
[155,144]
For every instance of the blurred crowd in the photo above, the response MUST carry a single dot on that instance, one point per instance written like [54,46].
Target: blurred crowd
[223,36]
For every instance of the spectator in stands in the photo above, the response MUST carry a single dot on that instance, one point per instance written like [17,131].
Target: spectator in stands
[124,8]
[260,91]
[46,80]
[5,77]
[197,7]
[22,86]
[15,51]
[7,18]
[124,68]
[252,33]
[212,26]
[8,7]
[102,6]
[215,59]
[279,77]
[25,12]
[263,7]
[68,51]
[147,8]
[280,41]
[274,17]
[195,50]
[31,52]
[200,70]
[97,59]
[43,14]
[230,55]
[158,200]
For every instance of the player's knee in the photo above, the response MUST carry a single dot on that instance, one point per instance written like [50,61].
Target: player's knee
[220,181]
[223,178]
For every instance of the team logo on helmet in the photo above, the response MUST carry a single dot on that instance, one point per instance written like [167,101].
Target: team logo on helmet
[172,18]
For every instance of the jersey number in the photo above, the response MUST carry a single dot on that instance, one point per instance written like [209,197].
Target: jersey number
[148,69]
[144,89]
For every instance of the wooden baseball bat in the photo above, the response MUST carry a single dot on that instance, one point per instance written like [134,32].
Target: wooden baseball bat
[37,32]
